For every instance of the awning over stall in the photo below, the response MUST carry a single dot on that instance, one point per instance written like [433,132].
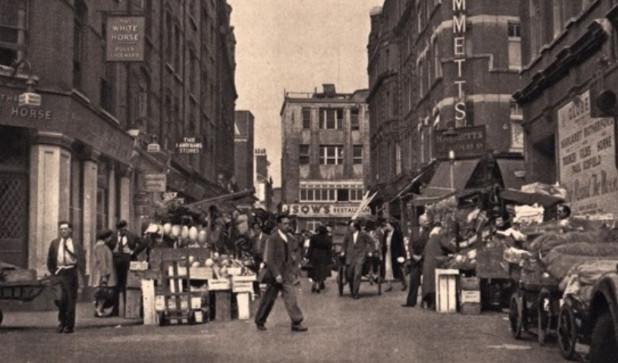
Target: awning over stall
[449,178]
[508,167]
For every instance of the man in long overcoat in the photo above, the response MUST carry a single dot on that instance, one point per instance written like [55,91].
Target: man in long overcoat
[357,245]
[417,248]
[282,260]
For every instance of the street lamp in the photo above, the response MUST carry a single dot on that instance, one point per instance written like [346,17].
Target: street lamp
[30,97]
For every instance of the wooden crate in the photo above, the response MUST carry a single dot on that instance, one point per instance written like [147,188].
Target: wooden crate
[446,290]
[470,308]
[134,279]
[242,300]
[149,302]
[133,307]
[201,273]
[223,305]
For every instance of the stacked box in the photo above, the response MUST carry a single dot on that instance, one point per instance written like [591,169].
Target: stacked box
[446,290]
[470,296]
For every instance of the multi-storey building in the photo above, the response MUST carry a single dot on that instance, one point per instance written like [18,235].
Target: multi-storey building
[456,65]
[569,57]
[325,144]
[243,149]
[108,137]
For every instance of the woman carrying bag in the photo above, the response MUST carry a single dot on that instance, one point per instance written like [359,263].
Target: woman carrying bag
[103,276]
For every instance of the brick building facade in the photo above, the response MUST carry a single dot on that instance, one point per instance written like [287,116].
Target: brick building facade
[83,153]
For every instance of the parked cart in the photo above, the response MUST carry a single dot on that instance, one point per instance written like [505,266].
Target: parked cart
[23,290]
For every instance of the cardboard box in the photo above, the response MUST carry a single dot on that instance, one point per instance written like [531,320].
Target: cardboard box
[219,284]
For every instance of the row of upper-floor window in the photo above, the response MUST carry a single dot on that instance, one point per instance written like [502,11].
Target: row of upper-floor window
[331,118]
[330,194]
[329,154]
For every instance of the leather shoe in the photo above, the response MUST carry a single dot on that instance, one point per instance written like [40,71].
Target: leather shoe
[260,327]
[67,330]
[299,327]
[355,297]
[407,306]
[60,328]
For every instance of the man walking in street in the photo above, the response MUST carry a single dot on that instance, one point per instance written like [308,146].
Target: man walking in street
[66,261]
[357,245]
[281,259]
[416,248]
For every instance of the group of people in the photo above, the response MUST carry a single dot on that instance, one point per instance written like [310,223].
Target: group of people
[112,255]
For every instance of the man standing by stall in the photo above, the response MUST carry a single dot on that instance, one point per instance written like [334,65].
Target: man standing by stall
[357,245]
[66,261]
[281,259]
[416,248]
[125,251]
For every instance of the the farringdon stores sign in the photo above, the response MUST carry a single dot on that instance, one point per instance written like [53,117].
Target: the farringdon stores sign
[323,210]
[587,160]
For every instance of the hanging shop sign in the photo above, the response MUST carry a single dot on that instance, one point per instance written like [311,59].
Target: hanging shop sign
[125,39]
[324,210]
[155,182]
[587,159]
[464,141]
[189,145]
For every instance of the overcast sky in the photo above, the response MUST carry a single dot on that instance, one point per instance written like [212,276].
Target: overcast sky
[296,45]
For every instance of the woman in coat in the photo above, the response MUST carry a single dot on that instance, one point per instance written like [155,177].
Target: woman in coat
[393,255]
[103,276]
[320,255]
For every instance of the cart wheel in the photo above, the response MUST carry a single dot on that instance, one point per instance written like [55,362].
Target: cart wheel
[543,316]
[517,316]
[341,280]
[567,332]
[162,318]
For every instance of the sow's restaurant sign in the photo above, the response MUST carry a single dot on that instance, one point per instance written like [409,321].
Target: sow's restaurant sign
[323,210]
[586,157]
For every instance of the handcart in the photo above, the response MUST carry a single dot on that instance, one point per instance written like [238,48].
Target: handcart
[342,279]
[23,290]
[535,305]
[177,298]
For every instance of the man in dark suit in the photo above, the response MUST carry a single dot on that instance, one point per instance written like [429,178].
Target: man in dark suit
[357,245]
[66,261]
[126,247]
[416,247]
[281,259]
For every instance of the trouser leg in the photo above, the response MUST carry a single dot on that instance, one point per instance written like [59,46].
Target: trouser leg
[358,270]
[71,301]
[266,303]
[415,280]
[289,298]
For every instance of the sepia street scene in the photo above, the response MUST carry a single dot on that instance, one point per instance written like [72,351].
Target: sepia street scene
[308,181]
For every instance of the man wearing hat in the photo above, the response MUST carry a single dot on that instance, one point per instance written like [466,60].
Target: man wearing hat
[125,250]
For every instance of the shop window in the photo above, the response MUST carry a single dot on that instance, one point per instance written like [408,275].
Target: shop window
[306,118]
[357,154]
[343,195]
[303,154]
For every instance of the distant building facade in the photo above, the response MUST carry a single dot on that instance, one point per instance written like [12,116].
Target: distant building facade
[263,182]
[244,141]
[109,138]
[325,148]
